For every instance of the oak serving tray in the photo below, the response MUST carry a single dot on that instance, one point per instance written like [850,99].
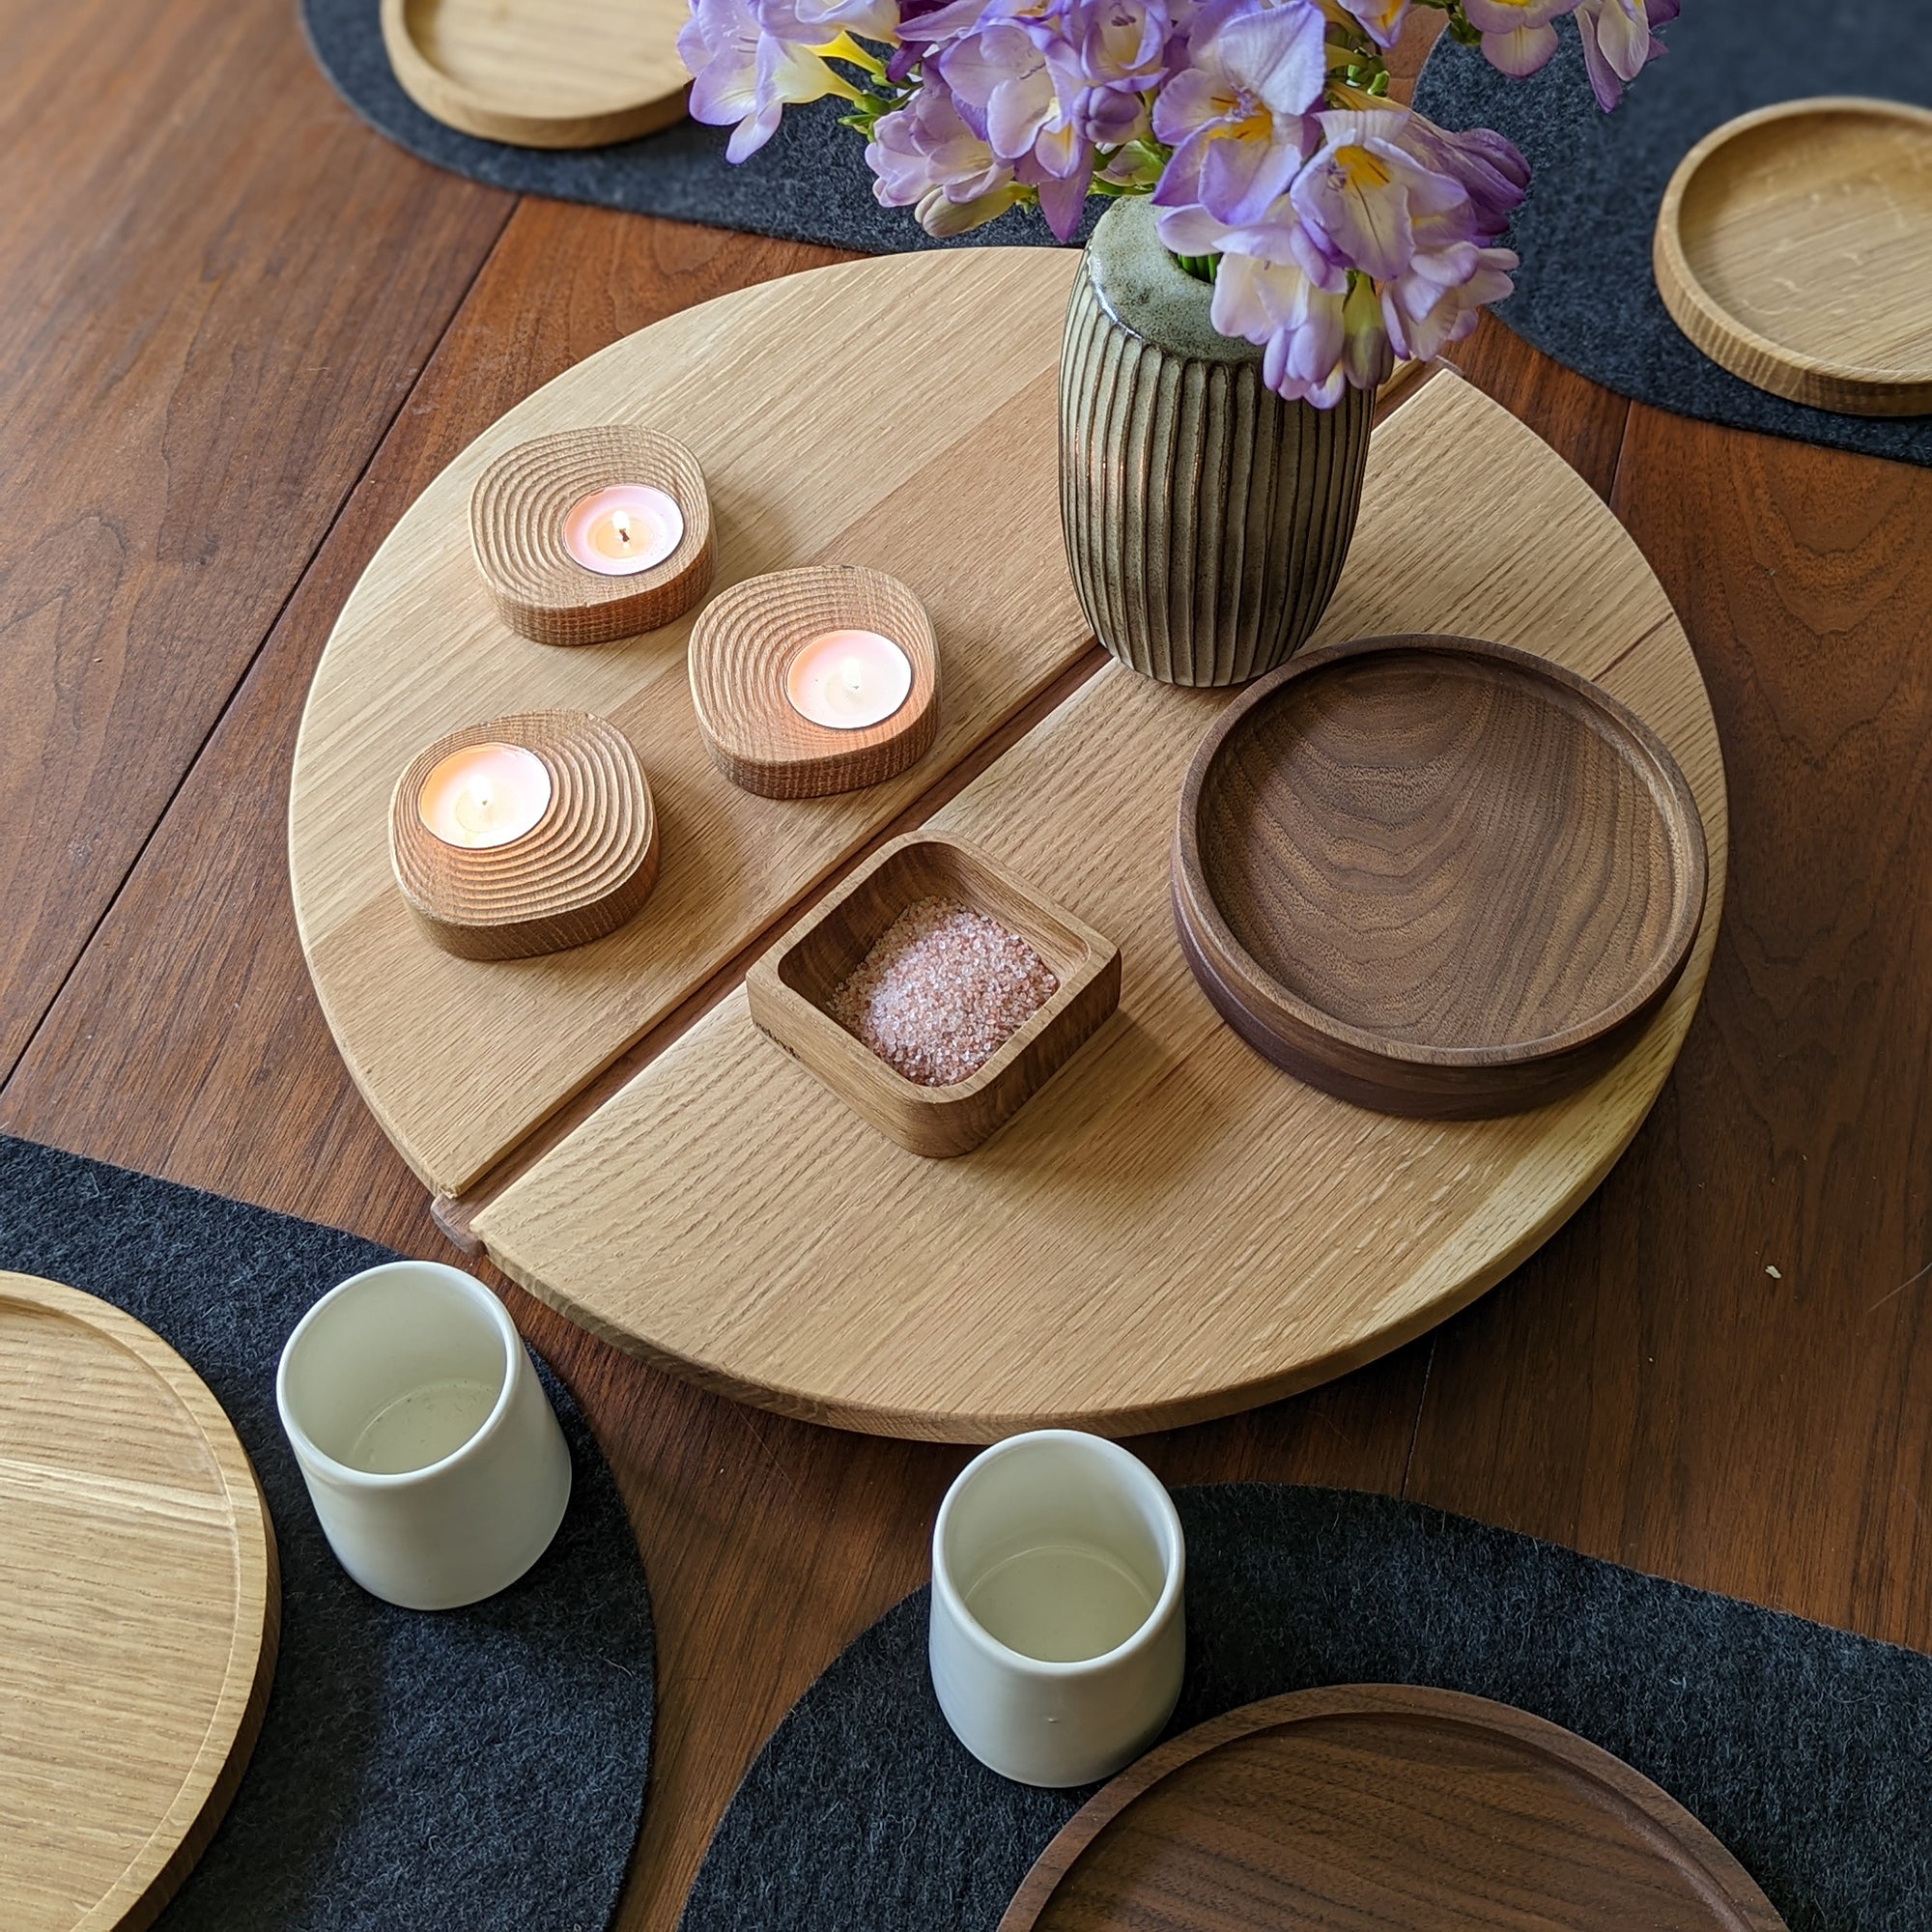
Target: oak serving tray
[139,1613]
[789,987]
[541,74]
[1382,1805]
[1794,247]
[1436,877]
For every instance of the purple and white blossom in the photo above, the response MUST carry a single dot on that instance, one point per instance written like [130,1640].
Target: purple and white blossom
[1339,230]
[1236,114]
[743,77]
[1517,36]
[1619,40]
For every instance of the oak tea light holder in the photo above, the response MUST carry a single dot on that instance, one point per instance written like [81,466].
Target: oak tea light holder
[791,987]
[592,534]
[812,681]
[527,834]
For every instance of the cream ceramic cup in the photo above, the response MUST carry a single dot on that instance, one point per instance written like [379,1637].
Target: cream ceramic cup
[430,1449]
[1057,1631]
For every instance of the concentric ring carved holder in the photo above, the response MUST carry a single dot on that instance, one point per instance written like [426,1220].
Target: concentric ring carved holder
[741,648]
[517,512]
[580,871]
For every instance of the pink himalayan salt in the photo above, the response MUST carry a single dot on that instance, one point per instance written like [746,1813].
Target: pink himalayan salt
[942,988]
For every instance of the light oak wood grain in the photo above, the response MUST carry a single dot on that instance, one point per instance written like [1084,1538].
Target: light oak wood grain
[517,515]
[1794,246]
[790,989]
[579,872]
[541,74]
[459,1060]
[1365,1806]
[1434,876]
[1200,1233]
[742,646]
[139,1613]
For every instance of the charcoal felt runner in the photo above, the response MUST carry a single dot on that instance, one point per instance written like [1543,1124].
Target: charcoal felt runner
[1807,1750]
[1584,295]
[469,1771]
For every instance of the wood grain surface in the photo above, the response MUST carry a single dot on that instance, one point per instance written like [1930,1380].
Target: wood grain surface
[1202,1232]
[790,992]
[1364,1807]
[420,649]
[517,514]
[216,292]
[541,74]
[1634,1389]
[139,1613]
[1436,877]
[1794,246]
[743,644]
[579,872]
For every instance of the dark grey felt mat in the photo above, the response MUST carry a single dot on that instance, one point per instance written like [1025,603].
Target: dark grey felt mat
[808,183]
[1807,1750]
[1585,293]
[469,1771]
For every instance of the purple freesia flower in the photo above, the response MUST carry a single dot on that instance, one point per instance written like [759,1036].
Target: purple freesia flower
[1436,303]
[743,78]
[1107,56]
[1618,40]
[811,23]
[926,158]
[1383,19]
[1490,169]
[1004,91]
[1518,38]
[1320,328]
[1367,193]
[1236,113]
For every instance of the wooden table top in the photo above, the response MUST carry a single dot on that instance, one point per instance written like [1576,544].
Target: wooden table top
[244,333]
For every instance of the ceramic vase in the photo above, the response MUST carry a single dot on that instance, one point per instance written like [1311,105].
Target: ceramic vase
[1206,519]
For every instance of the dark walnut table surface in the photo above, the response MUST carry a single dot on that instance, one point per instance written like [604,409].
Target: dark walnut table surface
[242,332]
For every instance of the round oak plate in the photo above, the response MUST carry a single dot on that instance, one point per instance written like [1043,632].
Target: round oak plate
[1436,877]
[541,74]
[139,1611]
[1794,247]
[1384,1805]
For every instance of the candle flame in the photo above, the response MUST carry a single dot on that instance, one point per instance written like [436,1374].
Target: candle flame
[854,675]
[621,524]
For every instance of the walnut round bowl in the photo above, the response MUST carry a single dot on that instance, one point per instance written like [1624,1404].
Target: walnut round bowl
[1436,877]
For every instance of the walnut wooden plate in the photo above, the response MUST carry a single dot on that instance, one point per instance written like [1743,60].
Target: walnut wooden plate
[1384,1805]
[1436,877]
[541,74]
[1794,247]
[139,1613]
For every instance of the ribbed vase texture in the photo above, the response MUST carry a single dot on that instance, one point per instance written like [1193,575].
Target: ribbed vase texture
[1206,519]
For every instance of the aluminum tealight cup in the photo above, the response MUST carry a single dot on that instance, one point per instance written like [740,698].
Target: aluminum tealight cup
[431,1451]
[1057,1631]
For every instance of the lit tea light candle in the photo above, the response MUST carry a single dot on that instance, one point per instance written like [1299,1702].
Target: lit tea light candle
[623,529]
[849,679]
[484,796]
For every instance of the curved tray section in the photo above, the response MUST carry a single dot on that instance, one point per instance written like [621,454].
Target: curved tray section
[459,1060]
[1173,1229]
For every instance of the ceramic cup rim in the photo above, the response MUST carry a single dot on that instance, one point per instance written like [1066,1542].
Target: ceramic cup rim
[345,1473]
[1137,1475]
